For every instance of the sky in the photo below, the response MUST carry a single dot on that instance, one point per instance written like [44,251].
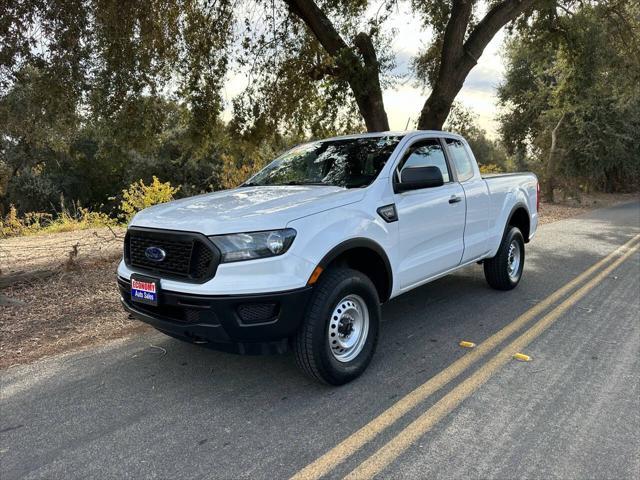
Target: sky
[405,99]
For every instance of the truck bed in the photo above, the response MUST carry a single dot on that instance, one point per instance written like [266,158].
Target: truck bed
[507,190]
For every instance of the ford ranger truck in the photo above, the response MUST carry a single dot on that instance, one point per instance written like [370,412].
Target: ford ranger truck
[302,255]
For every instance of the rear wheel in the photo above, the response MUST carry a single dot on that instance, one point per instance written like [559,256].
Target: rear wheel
[339,333]
[504,271]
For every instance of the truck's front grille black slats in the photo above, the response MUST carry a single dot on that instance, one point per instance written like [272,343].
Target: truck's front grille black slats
[188,256]
[176,261]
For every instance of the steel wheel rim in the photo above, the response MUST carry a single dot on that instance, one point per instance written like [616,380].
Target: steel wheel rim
[348,328]
[513,260]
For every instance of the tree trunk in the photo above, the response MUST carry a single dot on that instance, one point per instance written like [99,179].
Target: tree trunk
[437,107]
[363,75]
[371,107]
[551,167]
[367,88]
[459,56]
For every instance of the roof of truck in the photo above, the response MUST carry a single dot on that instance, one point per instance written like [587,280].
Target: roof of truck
[405,133]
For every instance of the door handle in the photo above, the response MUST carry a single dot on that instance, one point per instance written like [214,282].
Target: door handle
[455,199]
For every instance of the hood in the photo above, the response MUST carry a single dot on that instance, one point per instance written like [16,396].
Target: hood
[245,209]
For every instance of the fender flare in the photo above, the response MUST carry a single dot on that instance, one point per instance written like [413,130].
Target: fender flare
[518,206]
[361,242]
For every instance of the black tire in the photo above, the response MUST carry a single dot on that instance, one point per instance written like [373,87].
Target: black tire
[311,343]
[497,269]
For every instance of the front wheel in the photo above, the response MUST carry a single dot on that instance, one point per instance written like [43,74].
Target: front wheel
[339,333]
[504,271]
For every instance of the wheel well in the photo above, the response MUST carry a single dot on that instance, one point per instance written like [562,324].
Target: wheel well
[369,262]
[520,218]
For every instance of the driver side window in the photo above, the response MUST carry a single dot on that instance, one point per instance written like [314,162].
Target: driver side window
[426,153]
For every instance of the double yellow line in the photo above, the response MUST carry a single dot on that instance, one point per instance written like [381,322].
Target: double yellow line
[397,445]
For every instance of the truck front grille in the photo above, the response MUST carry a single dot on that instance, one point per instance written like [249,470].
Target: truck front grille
[188,256]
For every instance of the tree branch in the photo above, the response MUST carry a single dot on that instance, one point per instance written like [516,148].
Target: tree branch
[496,18]
[458,57]
[363,43]
[363,75]
[454,33]
[320,25]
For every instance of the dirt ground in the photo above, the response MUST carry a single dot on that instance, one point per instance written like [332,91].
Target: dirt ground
[65,311]
[552,212]
[39,253]
[50,305]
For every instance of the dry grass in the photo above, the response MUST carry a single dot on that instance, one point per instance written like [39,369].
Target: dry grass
[80,307]
[66,311]
[51,251]
[552,212]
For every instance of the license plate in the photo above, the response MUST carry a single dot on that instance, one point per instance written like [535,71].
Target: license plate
[145,290]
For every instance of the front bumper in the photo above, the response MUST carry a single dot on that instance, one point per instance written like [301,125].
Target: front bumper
[248,324]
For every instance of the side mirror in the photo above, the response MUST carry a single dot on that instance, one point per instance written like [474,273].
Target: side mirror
[414,178]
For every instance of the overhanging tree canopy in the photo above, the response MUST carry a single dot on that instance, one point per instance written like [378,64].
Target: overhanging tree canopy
[329,53]
[458,43]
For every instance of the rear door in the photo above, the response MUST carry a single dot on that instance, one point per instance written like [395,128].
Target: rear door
[476,195]
[431,220]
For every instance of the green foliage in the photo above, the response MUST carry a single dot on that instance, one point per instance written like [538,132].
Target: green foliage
[490,154]
[581,75]
[108,52]
[295,88]
[35,191]
[95,95]
[102,94]
[140,196]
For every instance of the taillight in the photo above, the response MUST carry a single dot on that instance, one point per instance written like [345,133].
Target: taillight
[537,196]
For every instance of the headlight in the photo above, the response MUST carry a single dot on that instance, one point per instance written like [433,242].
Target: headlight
[247,246]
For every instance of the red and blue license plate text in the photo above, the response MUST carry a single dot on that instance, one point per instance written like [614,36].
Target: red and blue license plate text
[143,291]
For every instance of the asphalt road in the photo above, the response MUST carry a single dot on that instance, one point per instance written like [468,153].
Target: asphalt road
[130,410]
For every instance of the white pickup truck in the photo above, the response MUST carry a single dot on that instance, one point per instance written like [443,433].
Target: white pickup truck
[302,255]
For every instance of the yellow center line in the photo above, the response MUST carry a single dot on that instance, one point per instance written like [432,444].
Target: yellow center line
[368,432]
[416,429]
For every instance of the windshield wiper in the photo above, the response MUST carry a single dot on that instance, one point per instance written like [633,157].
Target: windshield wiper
[294,182]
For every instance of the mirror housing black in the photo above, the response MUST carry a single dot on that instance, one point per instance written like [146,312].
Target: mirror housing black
[414,178]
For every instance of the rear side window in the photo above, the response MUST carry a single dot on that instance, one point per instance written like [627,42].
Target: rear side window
[461,161]
[427,153]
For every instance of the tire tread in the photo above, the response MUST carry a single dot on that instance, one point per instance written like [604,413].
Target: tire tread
[304,341]
[495,268]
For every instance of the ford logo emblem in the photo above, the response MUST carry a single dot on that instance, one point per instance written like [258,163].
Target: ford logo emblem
[155,254]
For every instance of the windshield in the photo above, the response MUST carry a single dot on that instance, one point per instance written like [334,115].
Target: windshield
[349,162]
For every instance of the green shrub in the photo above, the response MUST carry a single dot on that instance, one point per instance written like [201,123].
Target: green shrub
[140,196]
[30,191]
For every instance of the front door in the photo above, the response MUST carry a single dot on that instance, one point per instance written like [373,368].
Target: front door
[431,220]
